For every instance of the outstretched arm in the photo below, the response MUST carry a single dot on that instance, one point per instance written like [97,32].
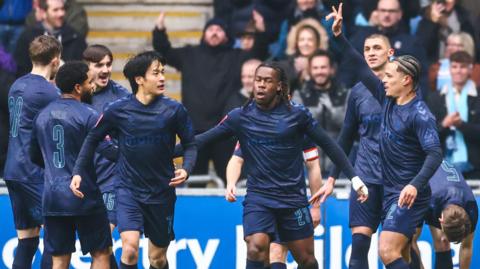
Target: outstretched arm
[336,154]
[368,78]
[466,250]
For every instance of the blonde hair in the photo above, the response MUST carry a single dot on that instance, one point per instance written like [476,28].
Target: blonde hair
[295,31]
[467,40]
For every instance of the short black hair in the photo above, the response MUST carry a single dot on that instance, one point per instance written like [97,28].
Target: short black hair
[324,53]
[70,74]
[138,66]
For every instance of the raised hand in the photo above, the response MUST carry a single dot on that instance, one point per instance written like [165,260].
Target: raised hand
[160,22]
[337,16]
[258,20]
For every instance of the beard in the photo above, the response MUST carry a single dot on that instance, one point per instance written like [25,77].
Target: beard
[86,98]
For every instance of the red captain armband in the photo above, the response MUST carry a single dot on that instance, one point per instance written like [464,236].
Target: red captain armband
[99,119]
[310,154]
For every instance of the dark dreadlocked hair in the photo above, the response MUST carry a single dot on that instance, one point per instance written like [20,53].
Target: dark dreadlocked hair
[282,79]
[410,66]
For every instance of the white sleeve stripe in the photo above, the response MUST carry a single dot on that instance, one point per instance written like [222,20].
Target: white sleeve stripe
[310,154]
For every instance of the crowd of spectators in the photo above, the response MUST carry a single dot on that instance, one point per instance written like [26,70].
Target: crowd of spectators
[217,74]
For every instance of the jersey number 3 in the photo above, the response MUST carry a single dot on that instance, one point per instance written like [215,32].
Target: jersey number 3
[59,156]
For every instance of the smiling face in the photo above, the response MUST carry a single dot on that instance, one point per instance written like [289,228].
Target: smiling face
[307,42]
[321,71]
[102,71]
[55,14]
[460,72]
[266,86]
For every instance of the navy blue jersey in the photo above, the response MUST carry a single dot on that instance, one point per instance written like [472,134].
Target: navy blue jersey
[101,99]
[146,142]
[59,131]
[28,95]
[310,151]
[409,145]
[449,187]
[271,143]
[362,121]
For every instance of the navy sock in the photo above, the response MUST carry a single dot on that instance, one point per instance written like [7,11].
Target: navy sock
[47,262]
[113,262]
[254,264]
[24,254]
[310,266]
[360,247]
[397,264]
[415,263]
[278,265]
[443,260]
[125,266]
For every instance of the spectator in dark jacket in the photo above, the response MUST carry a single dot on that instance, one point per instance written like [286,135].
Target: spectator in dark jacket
[439,21]
[325,97]
[389,24]
[457,110]
[53,24]
[210,75]
[75,16]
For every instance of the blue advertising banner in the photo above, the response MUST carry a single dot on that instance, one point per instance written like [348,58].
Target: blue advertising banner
[209,235]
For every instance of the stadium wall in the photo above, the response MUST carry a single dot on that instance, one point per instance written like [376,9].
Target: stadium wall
[209,235]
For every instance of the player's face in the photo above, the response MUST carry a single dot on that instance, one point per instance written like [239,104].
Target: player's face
[321,71]
[55,14]
[87,88]
[307,42]
[376,53]
[248,76]
[389,13]
[460,72]
[305,4]
[102,71]
[266,86]
[214,35]
[394,81]
[154,80]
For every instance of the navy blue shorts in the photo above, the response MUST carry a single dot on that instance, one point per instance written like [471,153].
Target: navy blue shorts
[110,205]
[368,214]
[26,200]
[93,233]
[403,220]
[155,220]
[290,223]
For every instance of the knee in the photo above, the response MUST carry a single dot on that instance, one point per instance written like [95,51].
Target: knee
[387,253]
[130,253]
[157,261]
[278,253]
[257,250]
[442,244]
[308,262]
[101,254]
